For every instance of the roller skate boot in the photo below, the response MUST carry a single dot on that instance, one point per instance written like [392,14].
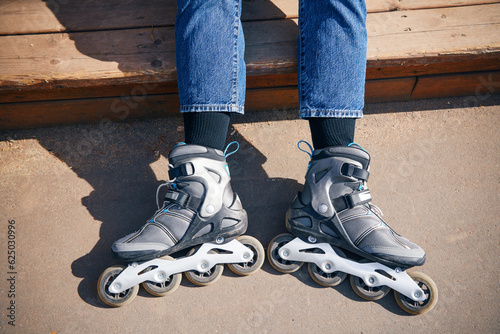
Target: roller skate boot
[199,210]
[333,215]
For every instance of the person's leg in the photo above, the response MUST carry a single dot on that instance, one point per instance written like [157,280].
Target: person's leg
[210,68]
[199,205]
[335,205]
[332,66]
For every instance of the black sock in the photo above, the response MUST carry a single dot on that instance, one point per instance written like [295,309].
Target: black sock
[206,128]
[327,132]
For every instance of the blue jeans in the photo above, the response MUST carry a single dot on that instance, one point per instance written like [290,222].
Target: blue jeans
[331,66]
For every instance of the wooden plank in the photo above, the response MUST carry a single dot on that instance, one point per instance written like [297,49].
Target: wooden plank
[420,4]
[427,65]
[284,98]
[32,59]
[49,113]
[55,90]
[435,32]
[383,90]
[481,85]
[35,16]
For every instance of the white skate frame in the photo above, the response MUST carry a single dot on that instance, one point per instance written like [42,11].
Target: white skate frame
[200,261]
[330,262]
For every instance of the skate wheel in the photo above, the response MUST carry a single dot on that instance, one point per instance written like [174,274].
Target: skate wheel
[431,292]
[327,279]
[206,278]
[281,265]
[114,299]
[164,288]
[367,292]
[255,262]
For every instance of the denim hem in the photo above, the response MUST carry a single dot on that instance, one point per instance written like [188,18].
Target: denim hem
[331,113]
[213,108]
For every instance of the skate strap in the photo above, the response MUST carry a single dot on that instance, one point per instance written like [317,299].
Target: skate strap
[183,199]
[182,170]
[350,201]
[354,171]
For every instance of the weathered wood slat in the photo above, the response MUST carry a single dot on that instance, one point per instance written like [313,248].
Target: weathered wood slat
[35,16]
[480,85]
[374,6]
[439,40]
[383,90]
[47,113]
[421,4]
[433,64]
[55,90]
[29,59]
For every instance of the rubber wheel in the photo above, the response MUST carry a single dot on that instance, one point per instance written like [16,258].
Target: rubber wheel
[164,288]
[281,265]
[114,299]
[326,279]
[430,290]
[367,292]
[209,277]
[254,264]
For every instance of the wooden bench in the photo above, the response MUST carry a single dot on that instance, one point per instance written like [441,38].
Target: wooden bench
[65,61]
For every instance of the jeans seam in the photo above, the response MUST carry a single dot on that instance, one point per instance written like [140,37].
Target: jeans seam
[301,55]
[234,93]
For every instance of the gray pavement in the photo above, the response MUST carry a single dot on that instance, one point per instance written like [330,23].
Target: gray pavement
[73,190]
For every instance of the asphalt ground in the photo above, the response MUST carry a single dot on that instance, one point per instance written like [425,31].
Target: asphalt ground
[68,192]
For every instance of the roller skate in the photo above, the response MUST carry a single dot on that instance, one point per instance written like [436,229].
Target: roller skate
[199,210]
[338,231]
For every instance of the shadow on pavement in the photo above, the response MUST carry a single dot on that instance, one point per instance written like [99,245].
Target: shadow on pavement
[117,165]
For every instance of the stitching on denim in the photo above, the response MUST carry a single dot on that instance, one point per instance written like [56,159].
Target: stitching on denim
[302,80]
[234,93]
[212,107]
[356,113]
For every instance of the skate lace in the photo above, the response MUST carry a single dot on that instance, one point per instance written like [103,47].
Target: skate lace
[356,144]
[309,153]
[232,152]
